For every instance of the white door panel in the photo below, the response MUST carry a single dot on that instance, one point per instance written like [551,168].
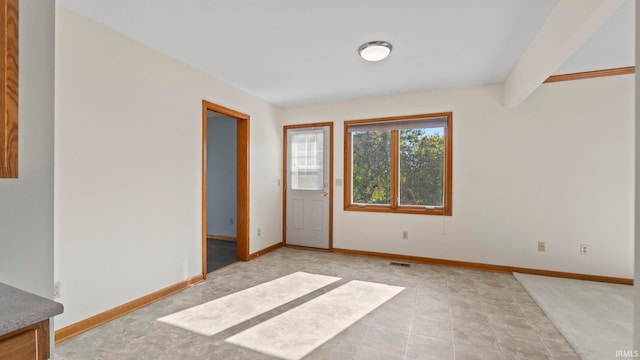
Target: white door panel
[308,198]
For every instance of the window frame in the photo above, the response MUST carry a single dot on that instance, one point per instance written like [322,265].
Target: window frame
[395,207]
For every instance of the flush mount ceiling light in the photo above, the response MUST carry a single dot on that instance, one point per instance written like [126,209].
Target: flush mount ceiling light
[375,50]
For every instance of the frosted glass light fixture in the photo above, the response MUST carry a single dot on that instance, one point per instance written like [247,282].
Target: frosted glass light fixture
[375,50]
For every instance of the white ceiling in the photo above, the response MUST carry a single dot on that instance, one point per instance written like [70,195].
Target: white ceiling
[294,52]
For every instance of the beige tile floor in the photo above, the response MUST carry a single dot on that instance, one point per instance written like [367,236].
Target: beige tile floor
[444,313]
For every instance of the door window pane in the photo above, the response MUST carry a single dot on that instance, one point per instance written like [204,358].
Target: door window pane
[371,167]
[307,157]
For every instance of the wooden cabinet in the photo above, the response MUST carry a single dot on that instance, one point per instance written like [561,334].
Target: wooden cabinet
[28,343]
[24,324]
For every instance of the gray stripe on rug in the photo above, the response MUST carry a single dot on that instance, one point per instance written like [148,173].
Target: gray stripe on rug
[297,332]
[220,314]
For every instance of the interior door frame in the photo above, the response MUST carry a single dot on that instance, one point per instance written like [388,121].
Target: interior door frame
[242,179]
[285,178]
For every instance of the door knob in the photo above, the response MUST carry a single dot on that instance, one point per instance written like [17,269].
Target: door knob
[325,194]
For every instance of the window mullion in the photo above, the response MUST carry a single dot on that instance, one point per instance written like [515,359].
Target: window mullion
[395,139]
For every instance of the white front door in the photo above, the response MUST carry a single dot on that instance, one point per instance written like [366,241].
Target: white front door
[308,186]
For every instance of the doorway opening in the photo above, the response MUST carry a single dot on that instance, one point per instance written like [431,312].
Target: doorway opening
[225,186]
[308,186]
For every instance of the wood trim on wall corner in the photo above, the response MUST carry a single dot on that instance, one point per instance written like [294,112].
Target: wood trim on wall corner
[485,267]
[591,74]
[266,250]
[72,330]
[9,42]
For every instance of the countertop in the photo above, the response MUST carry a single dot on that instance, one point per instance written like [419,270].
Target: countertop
[19,309]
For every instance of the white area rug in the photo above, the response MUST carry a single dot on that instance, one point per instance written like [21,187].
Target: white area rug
[595,318]
[297,332]
[222,313]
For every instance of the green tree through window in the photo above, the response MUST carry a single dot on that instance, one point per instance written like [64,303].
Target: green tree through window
[421,167]
[372,167]
[400,164]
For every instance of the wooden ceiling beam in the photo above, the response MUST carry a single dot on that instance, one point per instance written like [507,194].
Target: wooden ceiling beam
[568,26]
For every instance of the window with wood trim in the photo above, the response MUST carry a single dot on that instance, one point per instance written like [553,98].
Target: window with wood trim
[399,164]
[9,88]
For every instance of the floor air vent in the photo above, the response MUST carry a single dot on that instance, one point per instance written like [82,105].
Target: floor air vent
[393,263]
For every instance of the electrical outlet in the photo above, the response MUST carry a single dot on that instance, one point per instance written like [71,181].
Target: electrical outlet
[259,232]
[584,249]
[56,289]
[405,235]
[541,246]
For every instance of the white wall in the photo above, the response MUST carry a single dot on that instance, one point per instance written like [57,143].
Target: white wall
[559,169]
[26,203]
[128,167]
[221,175]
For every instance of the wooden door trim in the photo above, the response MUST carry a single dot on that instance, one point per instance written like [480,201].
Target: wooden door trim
[284,178]
[242,150]
[9,29]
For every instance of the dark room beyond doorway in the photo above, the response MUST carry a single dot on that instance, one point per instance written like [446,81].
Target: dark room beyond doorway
[221,178]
